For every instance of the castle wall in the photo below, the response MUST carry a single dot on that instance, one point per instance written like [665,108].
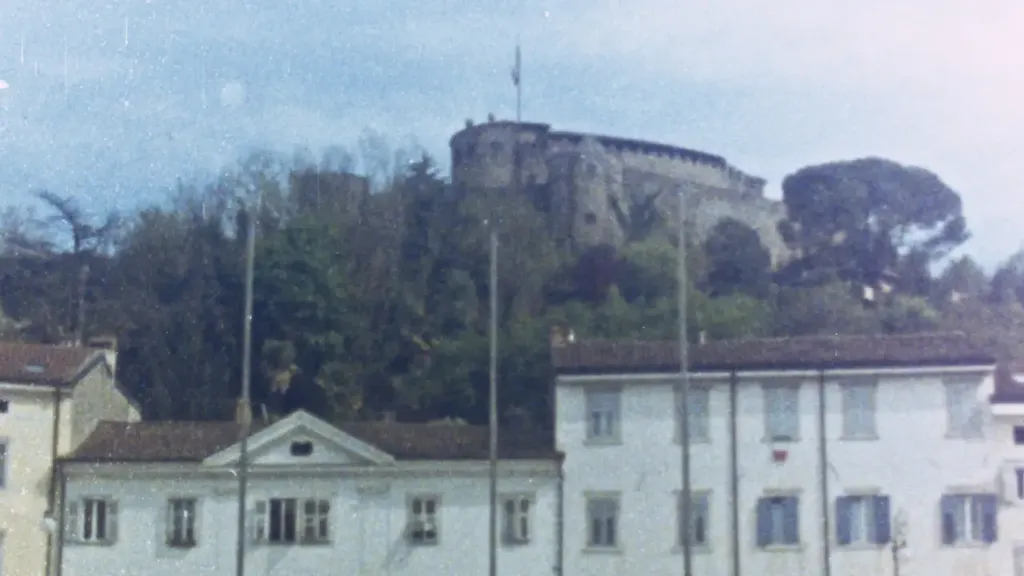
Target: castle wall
[593,181]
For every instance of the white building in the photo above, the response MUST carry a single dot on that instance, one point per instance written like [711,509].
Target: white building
[51,398]
[810,456]
[161,499]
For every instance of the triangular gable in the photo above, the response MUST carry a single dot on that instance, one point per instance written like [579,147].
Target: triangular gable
[301,422]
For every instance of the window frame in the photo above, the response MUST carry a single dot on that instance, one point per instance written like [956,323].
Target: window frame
[776,536]
[1018,476]
[973,513]
[614,502]
[413,517]
[263,517]
[973,426]
[863,411]
[5,462]
[592,395]
[876,520]
[701,435]
[701,501]
[76,518]
[767,391]
[512,523]
[190,522]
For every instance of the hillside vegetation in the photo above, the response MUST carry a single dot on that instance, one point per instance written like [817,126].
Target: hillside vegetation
[374,299]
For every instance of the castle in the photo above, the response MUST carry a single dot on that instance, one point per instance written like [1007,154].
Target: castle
[595,184]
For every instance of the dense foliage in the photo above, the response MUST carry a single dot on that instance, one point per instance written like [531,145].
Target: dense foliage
[371,296]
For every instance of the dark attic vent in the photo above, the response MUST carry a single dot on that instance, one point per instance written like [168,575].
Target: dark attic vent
[302,448]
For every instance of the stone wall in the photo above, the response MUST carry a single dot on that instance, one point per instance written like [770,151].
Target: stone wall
[593,180]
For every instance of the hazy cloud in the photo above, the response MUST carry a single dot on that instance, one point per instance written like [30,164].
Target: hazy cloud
[772,86]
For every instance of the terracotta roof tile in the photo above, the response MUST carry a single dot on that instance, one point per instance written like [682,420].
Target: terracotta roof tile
[195,441]
[42,364]
[812,352]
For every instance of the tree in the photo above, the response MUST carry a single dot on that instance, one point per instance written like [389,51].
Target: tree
[826,309]
[737,261]
[65,268]
[177,285]
[1008,281]
[862,218]
[962,278]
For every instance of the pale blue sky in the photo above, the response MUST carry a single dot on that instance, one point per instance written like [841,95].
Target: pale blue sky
[772,86]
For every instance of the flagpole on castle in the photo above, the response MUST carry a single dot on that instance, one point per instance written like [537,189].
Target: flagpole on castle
[516,79]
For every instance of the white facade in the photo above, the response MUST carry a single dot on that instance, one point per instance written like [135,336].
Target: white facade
[357,510]
[915,437]
[50,397]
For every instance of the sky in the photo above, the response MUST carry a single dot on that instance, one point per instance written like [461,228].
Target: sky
[154,90]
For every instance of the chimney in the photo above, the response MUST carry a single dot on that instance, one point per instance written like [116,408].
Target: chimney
[490,117]
[469,122]
[108,344]
[702,337]
[388,416]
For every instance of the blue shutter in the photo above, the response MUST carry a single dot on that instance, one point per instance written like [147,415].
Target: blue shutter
[791,521]
[947,506]
[883,524]
[843,536]
[764,522]
[989,508]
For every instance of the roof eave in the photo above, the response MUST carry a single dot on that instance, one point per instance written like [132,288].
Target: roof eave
[767,367]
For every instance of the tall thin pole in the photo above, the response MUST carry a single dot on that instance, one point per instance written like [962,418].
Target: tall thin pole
[517,77]
[244,411]
[686,497]
[493,413]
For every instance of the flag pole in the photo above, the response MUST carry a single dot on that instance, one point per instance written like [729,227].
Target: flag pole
[493,408]
[517,76]
[244,411]
[686,498]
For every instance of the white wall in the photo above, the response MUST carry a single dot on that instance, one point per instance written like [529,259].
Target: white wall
[366,528]
[912,462]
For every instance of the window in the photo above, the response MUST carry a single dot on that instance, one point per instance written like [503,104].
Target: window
[782,414]
[603,409]
[862,520]
[698,519]
[1019,475]
[697,414]
[423,529]
[964,411]
[516,519]
[3,464]
[1018,435]
[301,448]
[968,519]
[292,521]
[859,411]
[5,406]
[603,522]
[778,521]
[181,522]
[92,521]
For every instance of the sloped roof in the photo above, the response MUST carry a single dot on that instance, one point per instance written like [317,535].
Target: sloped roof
[196,441]
[43,364]
[811,352]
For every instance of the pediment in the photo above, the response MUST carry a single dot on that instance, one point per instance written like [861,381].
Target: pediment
[301,439]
